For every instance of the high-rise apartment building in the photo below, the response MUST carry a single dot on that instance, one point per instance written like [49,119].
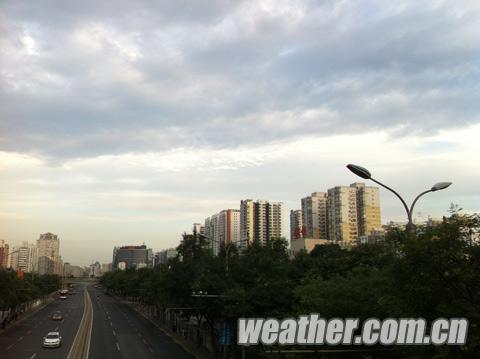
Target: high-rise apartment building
[48,251]
[24,258]
[314,211]
[342,211]
[353,212]
[3,253]
[260,221]
[32,259]
[223,228]
[297,230]
[20,257]
[368,209]
[247,221]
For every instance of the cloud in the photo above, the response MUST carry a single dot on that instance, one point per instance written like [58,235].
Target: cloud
[153,197]
[104,79]
[124,122]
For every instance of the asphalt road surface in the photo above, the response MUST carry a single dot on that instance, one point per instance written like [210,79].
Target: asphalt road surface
[120,332]
[117,332]
[24,339]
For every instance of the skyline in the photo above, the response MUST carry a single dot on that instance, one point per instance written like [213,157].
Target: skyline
[123,123]
[285,224]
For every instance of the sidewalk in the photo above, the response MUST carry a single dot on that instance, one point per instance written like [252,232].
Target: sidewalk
[28,314]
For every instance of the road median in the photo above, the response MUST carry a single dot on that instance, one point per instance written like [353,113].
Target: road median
[81,344]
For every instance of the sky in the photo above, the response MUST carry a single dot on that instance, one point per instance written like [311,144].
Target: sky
[123,122]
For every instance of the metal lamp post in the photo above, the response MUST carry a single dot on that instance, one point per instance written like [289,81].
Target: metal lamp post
[227,247]
[365,174]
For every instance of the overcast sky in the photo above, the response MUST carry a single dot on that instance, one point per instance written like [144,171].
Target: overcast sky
[123,122]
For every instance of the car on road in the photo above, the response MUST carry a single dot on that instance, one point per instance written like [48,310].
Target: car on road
[57,315]
[63,293]
[52,340]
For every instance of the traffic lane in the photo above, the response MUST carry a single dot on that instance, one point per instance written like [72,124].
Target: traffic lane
[126,342]
[134,332]
[163,345]
[24,340]
[103,341]
[30,344]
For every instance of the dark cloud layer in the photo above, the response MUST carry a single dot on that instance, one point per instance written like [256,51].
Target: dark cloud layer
[81,79]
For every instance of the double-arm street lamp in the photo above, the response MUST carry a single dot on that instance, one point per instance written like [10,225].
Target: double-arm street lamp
[365,174]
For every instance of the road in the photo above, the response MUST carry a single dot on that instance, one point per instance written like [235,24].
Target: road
[120,332]
[24,339]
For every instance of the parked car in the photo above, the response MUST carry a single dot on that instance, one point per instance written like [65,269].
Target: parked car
[52,340]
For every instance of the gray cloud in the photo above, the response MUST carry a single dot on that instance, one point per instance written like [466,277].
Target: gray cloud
[83,79]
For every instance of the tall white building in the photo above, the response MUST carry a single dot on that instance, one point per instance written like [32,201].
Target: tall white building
[32,259]
[223,228]
[48,249]
[260,221]
[24,258]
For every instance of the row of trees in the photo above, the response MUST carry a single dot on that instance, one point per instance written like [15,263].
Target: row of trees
[16,291]
[432,273]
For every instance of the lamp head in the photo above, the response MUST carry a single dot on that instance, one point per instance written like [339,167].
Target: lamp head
[360,171]
[440,185]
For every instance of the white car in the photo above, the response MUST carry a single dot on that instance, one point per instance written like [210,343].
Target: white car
[52,340]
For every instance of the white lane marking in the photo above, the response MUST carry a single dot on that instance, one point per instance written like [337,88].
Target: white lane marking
[114,334]
[33,356]
[144,342]
[118,347]
[11,345]
[20,338]
[111,324]
[56,328]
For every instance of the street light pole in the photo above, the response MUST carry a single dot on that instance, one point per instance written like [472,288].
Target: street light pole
[227,247]
[365,174]
[9,254]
